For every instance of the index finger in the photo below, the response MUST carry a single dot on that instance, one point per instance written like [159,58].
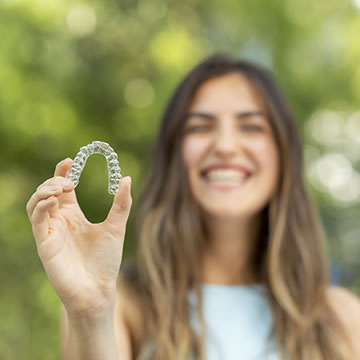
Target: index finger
[62,167]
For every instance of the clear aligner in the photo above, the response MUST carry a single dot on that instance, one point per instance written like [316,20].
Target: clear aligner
[97,147]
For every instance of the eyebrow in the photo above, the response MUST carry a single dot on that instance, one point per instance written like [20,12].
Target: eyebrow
[239,116]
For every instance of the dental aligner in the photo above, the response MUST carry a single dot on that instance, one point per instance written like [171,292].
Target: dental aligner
[97,147]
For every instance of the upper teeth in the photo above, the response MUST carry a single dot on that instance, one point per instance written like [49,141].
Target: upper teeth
[225,175]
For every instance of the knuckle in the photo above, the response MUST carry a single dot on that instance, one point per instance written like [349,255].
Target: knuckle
[37,205]
[54,181]
[123,206]
[40,187]
[46,182]
[43,203]
[41,193]
[44,192]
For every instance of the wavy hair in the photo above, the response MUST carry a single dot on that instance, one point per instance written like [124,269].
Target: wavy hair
[291,255]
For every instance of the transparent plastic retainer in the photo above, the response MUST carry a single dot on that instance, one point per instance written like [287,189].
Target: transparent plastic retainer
[97,147]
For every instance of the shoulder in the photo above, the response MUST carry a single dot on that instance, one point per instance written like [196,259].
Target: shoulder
[345,302]
[128,306]
[346,305]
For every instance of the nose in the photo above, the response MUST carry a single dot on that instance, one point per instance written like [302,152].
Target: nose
[225,141]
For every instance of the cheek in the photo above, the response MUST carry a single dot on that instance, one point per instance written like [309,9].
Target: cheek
[193,150]
[266,152]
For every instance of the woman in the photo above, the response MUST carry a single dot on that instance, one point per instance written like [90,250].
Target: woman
[231,258]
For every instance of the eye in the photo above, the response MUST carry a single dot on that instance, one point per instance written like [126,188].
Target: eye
[252,127]
[197,128]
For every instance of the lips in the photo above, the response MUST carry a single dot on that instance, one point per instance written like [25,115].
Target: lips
[226,176]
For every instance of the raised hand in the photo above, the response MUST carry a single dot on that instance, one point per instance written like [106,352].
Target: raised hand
[81,259]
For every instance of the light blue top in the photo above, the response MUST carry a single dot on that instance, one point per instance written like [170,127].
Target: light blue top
[238,322]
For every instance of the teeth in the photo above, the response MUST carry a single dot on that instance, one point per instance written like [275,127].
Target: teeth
[227,176]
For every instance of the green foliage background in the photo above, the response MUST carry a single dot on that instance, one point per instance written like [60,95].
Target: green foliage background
[73,72]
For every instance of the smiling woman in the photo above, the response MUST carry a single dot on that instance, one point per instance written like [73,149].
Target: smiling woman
[231,260]
[229,145]
[226,205]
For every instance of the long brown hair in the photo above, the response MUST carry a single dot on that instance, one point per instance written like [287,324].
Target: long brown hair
[291,257]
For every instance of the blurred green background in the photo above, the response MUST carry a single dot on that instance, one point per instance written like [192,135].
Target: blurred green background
[73,72]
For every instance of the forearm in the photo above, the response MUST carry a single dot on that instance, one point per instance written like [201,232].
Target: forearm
[90,338]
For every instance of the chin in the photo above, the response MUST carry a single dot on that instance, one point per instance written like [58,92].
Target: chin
[229,214]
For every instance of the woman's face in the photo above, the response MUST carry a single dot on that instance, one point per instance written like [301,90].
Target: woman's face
[229,149]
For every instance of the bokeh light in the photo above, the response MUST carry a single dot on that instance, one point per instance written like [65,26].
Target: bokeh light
[325,127]
[81,19]
[139,93]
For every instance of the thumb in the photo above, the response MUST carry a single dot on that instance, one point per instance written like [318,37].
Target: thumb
[121,206]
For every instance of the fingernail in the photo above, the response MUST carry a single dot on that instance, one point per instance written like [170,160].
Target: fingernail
[66,182]
[126,178]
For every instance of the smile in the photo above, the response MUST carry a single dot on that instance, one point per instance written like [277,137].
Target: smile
[225,179]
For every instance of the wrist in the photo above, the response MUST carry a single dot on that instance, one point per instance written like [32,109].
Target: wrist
[91,336]
[94,319]
[90,305]
[95,313]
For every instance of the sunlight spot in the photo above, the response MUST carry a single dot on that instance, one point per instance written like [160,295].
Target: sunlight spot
[325,127]
[81,20]
[334,173]
[352,127]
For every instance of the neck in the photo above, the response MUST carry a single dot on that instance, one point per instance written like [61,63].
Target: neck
[228,254]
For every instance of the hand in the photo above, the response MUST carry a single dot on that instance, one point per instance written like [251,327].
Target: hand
[81,259]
